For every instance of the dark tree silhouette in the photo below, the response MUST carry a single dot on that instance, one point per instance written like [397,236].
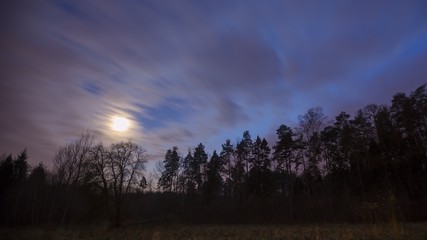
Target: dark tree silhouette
[227,155]
[70,167]
[310,125]
[169,177]
[284,155]
[214,182]
[260,174]
[13,173]
[124,164]
[38,187]
[190,173]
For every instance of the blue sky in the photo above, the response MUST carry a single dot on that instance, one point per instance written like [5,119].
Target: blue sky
[186,72]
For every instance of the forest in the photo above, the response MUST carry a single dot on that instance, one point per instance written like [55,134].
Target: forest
[366,168]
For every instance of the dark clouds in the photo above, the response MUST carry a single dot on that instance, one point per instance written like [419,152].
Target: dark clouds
[189,71]
[229,113]
[237,62]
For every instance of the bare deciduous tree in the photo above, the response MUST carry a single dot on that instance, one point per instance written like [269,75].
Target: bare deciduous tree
[70,161]
[70,165]
[117,170]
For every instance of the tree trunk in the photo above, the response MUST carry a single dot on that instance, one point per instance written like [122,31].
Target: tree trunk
[118,222]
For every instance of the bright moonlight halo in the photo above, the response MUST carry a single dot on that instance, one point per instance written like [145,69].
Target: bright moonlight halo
[120,124]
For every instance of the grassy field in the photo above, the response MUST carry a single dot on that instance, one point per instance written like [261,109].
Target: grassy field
[410,231]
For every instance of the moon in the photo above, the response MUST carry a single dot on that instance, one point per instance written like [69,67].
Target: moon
[120,124]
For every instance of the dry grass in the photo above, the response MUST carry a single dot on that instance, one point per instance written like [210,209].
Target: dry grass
[413,231]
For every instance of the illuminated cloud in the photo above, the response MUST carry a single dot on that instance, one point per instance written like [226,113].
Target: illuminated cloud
[186,72]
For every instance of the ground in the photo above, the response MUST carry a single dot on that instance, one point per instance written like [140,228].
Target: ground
[412,231]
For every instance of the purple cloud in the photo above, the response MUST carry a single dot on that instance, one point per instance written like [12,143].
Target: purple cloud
[188,72]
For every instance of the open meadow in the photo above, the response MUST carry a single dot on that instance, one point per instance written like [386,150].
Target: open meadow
[410,231]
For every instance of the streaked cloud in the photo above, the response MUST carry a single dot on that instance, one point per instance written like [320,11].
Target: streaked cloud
[186,72]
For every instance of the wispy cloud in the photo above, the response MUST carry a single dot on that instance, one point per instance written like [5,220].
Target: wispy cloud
[186,71]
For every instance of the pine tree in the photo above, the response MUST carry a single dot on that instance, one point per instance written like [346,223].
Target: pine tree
[200,161]
[283,150]
[260,175]
[244,151]
[21,166]
[214,181]
[167,181]
[227,157]
[195,169]
[189,173]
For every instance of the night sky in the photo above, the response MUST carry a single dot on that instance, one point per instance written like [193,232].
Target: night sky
[186,72]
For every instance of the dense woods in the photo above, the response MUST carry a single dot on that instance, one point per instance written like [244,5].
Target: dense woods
[370,167]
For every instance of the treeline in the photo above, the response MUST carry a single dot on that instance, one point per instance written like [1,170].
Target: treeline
[88,184]
[366,168]
[372,167]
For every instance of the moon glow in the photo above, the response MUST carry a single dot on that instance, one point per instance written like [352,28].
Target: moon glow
[120,124]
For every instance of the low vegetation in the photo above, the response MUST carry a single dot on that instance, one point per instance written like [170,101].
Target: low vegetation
[413,231]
